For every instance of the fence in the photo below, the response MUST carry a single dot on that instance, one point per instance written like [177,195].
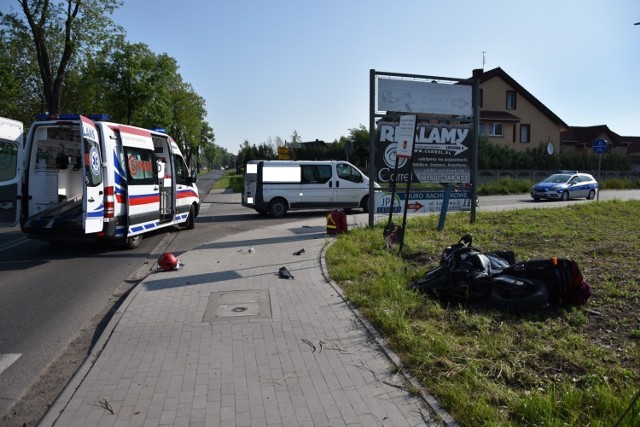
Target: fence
[486,175]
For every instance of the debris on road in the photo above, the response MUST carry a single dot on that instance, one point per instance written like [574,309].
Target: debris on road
[285,274]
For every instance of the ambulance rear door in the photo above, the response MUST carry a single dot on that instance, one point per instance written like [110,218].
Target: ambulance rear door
[143,191]
[93,194]
[11,166]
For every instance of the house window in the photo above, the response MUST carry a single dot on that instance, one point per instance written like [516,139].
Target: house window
[495,129]
[525,133]
[481,129]
[511,100]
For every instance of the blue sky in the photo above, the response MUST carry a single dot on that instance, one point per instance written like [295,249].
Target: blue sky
[267,68]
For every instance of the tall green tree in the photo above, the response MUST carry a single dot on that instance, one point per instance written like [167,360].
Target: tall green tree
[60,30]
[188,113]
[19,86]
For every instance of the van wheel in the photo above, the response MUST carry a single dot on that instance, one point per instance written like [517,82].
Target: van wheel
[133,241]
[278,207]
[190,224]
[365,204]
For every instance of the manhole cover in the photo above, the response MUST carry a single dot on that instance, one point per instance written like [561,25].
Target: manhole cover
[250,304]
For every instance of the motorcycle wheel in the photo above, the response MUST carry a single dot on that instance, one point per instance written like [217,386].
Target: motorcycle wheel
[536,300]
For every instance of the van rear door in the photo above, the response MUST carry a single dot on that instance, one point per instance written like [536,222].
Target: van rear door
[93,194]
[10,171]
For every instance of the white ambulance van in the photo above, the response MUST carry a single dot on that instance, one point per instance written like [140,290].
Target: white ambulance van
[276,186]
[85,178]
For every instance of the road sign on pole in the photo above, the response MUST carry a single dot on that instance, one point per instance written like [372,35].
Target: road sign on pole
[599,146]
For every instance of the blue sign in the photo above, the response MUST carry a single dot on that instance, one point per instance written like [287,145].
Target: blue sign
[599,146]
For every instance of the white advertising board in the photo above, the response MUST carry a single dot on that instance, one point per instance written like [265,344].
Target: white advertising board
[413,96]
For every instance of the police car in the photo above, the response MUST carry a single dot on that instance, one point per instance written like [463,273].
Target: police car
[566,185]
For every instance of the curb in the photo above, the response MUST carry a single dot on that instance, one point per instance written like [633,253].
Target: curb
[433,405]
[50,417]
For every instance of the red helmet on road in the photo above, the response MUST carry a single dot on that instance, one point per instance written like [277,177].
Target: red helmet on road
[168,262]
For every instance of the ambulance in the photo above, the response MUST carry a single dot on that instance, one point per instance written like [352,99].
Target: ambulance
[79,178]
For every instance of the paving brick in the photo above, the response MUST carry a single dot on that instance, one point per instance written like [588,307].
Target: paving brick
[311,362]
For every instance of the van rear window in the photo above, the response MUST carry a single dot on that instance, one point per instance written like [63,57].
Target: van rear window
[316,174]
[281,174]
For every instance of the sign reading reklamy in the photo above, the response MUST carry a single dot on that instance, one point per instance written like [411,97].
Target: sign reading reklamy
[441,154]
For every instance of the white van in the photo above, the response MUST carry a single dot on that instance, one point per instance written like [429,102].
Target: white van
[85,178]
[276,186]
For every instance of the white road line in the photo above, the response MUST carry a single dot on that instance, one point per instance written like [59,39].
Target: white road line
[7,359]
[21,240]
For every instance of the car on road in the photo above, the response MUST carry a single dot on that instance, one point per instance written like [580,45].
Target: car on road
[566,185]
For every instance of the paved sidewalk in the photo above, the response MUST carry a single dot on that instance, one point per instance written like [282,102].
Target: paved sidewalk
[225,341]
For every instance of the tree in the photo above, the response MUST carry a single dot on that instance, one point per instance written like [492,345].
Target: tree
[187,115]
[19,86]
[60,30]
[295,138]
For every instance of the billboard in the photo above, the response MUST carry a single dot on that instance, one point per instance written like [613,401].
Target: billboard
[422,202]
[413,96]
[441,154]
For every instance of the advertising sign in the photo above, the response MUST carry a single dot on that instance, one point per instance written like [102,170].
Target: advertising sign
[405,135]
[413,96]
[441,154]
[422,202]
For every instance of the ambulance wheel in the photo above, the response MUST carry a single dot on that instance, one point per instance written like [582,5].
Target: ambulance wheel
[190,223]
[277,208]
[133,241]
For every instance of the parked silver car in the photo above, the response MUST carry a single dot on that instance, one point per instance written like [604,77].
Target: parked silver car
[565,186]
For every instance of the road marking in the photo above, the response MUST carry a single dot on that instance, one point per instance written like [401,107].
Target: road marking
[21,240]
[7,359]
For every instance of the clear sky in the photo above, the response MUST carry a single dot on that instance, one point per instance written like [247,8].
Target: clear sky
[269,67]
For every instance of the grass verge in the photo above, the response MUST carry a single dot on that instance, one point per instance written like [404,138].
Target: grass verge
[486,367]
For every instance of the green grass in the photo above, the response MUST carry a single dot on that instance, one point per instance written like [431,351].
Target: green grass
[230,180]
[559,367]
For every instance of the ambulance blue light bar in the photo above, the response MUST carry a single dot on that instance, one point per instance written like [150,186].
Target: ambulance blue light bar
[46,116]
[99,117]
[162,130]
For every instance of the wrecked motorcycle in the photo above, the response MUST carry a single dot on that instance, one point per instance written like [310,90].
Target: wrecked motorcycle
[495,278]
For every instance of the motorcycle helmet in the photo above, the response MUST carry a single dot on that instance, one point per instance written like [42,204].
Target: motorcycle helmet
[168,262]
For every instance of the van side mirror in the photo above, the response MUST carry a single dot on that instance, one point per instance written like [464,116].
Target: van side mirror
[194,177]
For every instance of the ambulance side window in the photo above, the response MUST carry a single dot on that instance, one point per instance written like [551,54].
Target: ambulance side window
[8,161]
[182,172]
[92,163]
[141,166]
